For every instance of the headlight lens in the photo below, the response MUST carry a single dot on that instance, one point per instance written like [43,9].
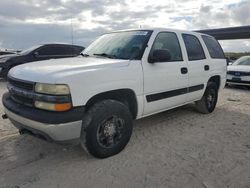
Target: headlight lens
[52,89]
[52,106]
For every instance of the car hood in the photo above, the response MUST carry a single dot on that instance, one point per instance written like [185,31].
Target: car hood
[241,68]
[51,71]
[4,58]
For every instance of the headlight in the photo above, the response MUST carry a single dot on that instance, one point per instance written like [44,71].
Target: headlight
[52,89]
[52,106]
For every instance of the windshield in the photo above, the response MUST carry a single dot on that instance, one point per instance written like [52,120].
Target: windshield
[243,61]
[27,51]
[120,45]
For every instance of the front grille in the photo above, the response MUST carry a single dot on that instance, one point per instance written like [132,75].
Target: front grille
[21,84]
[238,73]
[22,100]
[19,91]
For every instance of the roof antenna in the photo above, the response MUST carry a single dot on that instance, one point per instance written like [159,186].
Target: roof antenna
[72,31]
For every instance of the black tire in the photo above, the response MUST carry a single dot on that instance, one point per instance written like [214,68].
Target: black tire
[106,129]
[208,102]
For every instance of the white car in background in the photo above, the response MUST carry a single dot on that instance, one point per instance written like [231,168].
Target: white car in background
[239,72]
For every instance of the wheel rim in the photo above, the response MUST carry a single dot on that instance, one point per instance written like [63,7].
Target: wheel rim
[110,132]
[211,98]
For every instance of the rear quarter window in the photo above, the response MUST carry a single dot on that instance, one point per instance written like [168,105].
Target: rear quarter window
[213,47]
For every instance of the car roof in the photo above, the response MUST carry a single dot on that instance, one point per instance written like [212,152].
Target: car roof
[161,29]
[60,44]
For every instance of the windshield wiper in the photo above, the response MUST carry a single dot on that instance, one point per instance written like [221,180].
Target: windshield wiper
[107,55]
[84,55]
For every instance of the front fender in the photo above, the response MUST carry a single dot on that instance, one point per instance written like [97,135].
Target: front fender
[85,85]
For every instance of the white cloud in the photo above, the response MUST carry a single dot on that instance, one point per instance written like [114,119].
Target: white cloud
[20,20]
[236,45]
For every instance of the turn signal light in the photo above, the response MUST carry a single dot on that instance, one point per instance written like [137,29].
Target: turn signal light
[53,107]
[62,107]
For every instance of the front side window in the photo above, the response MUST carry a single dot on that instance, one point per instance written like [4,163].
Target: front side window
[120,45]
[168,41]
[194,48]
[29,50]
[213,47]
[45,51]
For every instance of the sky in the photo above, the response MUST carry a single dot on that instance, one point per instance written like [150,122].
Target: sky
[25,23]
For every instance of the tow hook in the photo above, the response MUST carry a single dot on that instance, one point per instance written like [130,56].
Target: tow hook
[4,116]
[22,131]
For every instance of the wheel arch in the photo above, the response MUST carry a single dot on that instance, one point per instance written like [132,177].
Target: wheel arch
[126,96]
[216,79]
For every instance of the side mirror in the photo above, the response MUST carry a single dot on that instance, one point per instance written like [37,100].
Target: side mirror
[160,55]
[36,54]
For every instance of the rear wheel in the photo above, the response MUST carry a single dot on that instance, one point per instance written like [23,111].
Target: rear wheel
[106,128]
[208,102]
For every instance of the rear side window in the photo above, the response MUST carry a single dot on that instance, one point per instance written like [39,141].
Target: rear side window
[168,41]
[213,47]
[78,50]
[56,51]
[63,50]
[194,48]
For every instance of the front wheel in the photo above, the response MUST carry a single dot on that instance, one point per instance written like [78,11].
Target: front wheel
[106,128]
[208,102]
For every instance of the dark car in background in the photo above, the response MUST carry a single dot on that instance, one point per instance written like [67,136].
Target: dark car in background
[38,53]
[6,53]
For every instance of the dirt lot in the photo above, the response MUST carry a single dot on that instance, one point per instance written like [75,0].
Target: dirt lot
[178,148]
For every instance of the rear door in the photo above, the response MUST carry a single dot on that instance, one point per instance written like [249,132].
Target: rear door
[165,84]
[198,66]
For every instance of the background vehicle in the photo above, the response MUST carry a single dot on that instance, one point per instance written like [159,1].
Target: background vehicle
[122,76]
[38,53]
[6,53]
[239,72]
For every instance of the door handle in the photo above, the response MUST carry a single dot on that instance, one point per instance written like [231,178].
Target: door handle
[206,67]
[184,70]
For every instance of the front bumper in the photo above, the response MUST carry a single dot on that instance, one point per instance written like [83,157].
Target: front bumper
[52,132]
[240,83]
[56,126]
[238,80]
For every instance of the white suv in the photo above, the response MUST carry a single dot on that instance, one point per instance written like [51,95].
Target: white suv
[122,76]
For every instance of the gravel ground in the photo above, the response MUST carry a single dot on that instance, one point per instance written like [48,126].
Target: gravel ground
[175,149]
